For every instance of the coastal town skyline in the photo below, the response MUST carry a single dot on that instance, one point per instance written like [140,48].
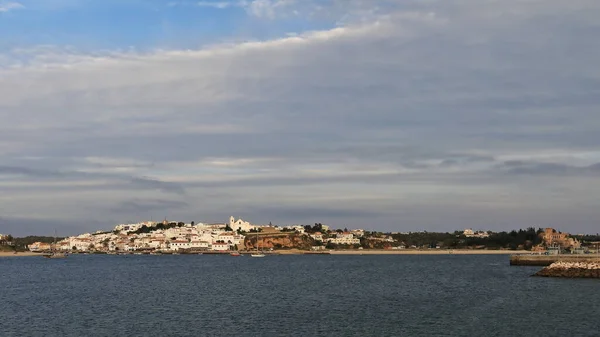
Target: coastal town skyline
[238,235]
[467,230]
[397,115]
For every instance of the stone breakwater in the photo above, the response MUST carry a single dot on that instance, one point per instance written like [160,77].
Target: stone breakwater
[546,260]
[571,270]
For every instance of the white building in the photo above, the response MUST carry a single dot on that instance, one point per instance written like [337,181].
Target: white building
[472,234]
[179,244]
[345,238]
[318,236]
[220,246]
[227,237]
[240,224]
[358,232]
[200,245]
[134,226]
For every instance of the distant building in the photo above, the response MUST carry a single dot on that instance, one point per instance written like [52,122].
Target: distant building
[554,238]
[240,225]
[358,232]
[345,238]
[472,234]
[220,246]
[39,247]
[318,236]
[129,227]
[179,244]
[4,240]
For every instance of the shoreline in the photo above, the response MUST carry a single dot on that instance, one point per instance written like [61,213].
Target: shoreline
[427,252]
[402,252]
[12,254]
[345,252]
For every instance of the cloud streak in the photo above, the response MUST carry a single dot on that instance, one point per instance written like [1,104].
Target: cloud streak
[10,6]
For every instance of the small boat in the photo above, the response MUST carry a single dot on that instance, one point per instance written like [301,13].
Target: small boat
[235,254]
[53,253]
[257,254]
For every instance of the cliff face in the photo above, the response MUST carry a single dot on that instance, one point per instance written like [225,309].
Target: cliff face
[278,241]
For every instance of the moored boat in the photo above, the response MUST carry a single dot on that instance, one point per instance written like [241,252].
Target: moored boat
[53,253]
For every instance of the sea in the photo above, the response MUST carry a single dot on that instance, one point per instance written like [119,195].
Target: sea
[315,295]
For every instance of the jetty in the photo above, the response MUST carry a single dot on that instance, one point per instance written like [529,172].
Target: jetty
[587,269]
[547,260]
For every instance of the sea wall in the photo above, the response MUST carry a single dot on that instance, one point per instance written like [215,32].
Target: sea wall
[546,260]
[571,270]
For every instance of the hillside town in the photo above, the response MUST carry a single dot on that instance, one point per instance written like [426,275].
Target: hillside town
[241,235]
[168,236]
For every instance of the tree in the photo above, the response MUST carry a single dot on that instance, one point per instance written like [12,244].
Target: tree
[192,223]
[9,238]
[74,248]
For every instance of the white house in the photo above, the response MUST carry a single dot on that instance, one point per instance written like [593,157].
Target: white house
[179,244]
[220,246]
[345,238]
[358,232]
[472,234]
[227,237]
[200,244]
[318,236]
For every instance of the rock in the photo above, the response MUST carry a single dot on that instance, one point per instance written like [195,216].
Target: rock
[279,241]
[571,270]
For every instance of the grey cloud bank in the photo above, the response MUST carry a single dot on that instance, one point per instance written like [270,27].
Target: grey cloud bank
[434,115]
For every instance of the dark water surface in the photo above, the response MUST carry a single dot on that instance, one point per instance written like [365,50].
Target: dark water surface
[290,296]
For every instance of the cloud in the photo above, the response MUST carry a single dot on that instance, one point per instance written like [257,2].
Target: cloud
[78,178]
[10,6]
[417,113]
[552,169]
[216,4]
[137,206]
[268,8]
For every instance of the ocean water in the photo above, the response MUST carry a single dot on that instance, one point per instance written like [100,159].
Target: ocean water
[290,296]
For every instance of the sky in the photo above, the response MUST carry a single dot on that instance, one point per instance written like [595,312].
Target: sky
[391,115]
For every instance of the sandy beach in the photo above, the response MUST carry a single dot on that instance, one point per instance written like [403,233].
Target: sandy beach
[12,254]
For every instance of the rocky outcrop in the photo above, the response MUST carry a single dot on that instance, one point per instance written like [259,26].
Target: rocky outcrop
[571,270]
[546,260]
[279,241]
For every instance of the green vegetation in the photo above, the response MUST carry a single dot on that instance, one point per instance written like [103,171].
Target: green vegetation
[20,244]
[160,226]
[588,240]
[318,227]
[521,239]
